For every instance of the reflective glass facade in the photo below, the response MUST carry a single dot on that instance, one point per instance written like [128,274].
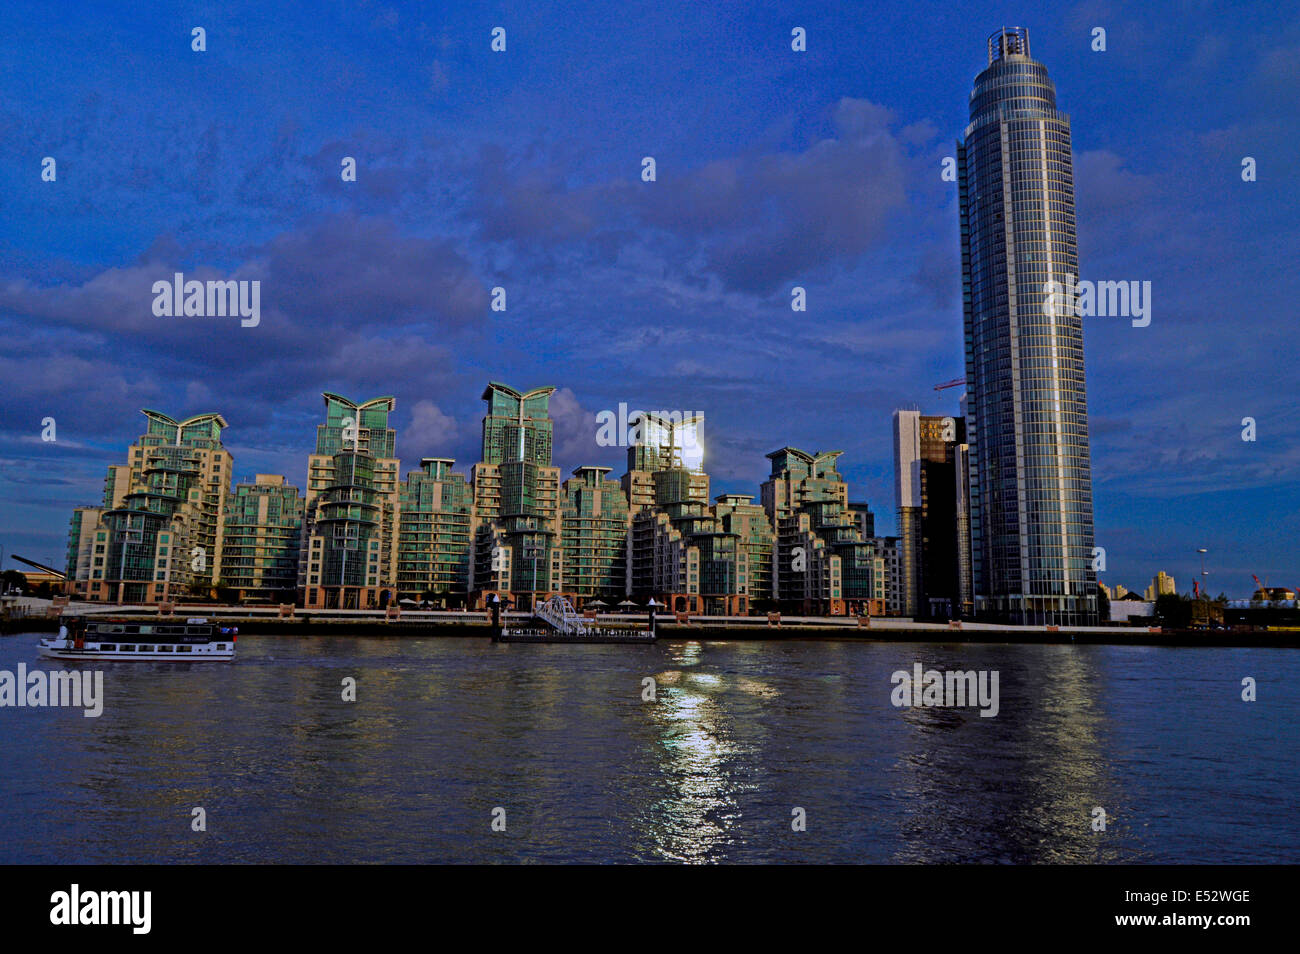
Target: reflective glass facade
[1027,418]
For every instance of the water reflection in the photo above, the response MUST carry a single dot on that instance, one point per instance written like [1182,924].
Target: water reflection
[444,730]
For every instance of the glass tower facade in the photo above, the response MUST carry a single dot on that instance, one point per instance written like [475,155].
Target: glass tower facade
[1027,417]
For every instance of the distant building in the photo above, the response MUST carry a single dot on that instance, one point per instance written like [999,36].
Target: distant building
[1121,611]
[933,513]
[263,539]
[1161,585]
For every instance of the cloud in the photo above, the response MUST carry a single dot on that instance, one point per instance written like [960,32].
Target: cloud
[574,433]
[755,222]
[431,433]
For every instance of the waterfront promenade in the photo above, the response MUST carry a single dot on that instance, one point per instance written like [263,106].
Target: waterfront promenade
[270,620]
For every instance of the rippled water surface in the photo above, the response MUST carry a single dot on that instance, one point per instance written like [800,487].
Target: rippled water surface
[446,730]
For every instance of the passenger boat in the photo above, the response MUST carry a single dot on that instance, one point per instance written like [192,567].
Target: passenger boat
[112,639]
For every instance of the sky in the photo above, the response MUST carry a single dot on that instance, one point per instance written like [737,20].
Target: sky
[522,169]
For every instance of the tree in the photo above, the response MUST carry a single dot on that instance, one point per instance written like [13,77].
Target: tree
[1103,605]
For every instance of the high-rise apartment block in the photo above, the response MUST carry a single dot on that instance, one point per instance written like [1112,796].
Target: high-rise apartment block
[517,544]
[823,563]
[1030,510]
[363,535]
[349,541]
[263,538]
[159,534]
[435,535]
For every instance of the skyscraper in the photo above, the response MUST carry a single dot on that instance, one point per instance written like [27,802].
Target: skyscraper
[1027,418]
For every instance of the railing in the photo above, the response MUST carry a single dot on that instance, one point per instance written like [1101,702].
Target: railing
[559,613]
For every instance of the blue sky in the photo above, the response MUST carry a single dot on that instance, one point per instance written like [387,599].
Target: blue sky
[522,169]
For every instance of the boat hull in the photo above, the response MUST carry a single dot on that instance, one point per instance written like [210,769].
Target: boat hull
[96,655]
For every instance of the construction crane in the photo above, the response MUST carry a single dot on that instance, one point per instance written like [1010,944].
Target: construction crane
[950,384]
[1263,590]
[40,566]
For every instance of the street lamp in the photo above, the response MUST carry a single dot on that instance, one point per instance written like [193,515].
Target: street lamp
[1202,551]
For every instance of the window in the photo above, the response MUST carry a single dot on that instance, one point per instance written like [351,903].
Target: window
[185,649]
[108,647]
[164,649]
[144,649]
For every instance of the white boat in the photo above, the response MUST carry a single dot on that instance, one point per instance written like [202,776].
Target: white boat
[113,639]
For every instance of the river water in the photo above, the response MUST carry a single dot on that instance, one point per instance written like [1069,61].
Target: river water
[557,741]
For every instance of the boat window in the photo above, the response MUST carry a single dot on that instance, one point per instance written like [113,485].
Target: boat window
[115,629]
[221,645]
[164,649]
[184,649]
[145,649]
[146,629]
[107,647]
[132,629]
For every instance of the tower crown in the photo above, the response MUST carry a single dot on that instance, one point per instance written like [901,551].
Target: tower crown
[1009,41]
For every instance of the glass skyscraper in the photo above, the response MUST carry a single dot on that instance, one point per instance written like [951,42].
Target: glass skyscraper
[1027,416]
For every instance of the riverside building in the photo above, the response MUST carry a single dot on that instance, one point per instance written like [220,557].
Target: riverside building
[435,535]
[348,558]
[263,537]
[1031,520]
[159,533]
[822,563]
[517,543]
